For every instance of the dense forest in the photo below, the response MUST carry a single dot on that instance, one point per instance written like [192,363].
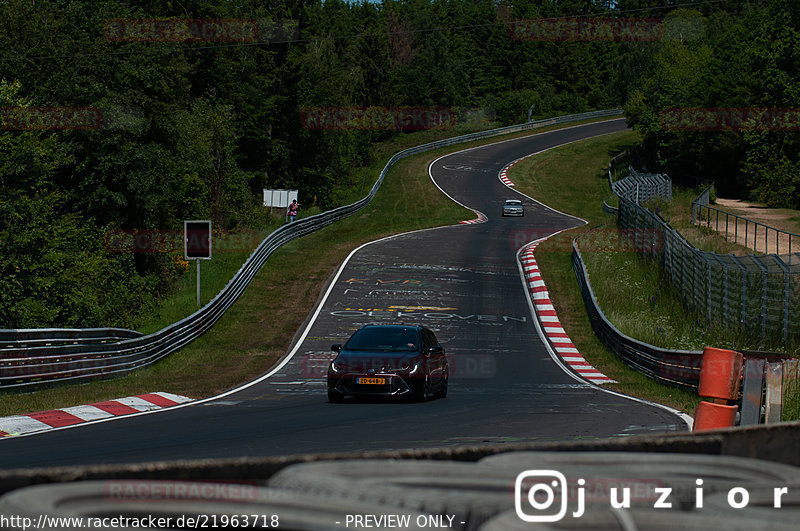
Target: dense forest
[165,116]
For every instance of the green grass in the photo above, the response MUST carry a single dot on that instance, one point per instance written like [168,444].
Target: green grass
[230,250]
[573,179]
[260,327]
[678,213]
[629,288]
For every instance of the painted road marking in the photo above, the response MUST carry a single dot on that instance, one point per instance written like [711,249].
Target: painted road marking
[480,219]
[551,326]
[70,416]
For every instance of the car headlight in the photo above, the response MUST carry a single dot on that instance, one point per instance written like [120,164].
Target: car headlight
[337,366]
[407,367]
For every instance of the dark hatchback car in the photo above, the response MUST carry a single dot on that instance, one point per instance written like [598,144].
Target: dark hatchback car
[389,360]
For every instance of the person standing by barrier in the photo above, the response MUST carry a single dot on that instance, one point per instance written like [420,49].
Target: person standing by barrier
[291,212]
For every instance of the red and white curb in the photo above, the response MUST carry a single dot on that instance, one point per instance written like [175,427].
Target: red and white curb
[69,416]
[503,175]
[551,326]
[480,219]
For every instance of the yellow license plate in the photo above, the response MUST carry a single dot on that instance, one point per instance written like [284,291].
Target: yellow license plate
[371,381]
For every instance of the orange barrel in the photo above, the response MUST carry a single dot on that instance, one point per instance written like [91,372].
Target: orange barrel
[720,374]
[710,416]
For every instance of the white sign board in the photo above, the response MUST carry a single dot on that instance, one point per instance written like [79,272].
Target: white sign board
[279,198]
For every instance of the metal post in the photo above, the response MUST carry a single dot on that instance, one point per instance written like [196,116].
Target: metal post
[745,232]
[743,271]
[752,391]
[726,226]
[764,277]
[724,265]
[198,281]
[773,398]
[785,269]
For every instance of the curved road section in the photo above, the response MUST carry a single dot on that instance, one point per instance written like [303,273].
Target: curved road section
[463,281]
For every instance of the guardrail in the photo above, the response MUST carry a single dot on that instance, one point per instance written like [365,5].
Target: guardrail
[674,367]
[755,293]
[37,337]
[608,209]
[24,368]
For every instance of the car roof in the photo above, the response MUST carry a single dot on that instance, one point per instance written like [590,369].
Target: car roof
[513,201]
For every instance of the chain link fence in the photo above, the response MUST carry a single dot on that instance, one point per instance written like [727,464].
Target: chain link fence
[759,295]
[672,367]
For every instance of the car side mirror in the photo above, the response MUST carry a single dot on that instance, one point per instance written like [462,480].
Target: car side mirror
[336,348]
[435,350]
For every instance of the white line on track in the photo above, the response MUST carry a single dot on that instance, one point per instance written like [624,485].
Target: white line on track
[288,357]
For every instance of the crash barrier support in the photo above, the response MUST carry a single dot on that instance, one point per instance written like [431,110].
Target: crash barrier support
[720,376]
[769,384]
[680,368]
[29,367]
[672,367]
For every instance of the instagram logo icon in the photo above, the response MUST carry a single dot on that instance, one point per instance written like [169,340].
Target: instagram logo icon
[541,496]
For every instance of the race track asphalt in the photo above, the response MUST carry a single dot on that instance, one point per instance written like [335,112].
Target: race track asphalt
[463,281]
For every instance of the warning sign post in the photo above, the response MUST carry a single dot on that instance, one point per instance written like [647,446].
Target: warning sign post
[197,244]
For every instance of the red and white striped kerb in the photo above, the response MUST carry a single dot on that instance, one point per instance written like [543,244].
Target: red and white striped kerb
[480,219]
[58,418]
[551,326]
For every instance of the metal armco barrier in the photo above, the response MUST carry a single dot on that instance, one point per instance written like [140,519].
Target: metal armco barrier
[38,337]
[642,187]
[673,367]
[23,368]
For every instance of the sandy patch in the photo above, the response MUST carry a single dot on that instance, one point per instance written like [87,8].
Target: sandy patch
[763,236]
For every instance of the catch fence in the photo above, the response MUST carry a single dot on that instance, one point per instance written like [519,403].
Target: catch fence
[759,295]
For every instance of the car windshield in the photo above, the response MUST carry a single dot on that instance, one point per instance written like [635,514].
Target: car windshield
[392,339]
[513,202]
